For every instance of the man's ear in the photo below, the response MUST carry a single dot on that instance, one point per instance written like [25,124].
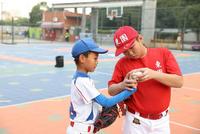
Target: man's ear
[140,37]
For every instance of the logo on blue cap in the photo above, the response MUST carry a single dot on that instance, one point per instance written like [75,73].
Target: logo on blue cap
[86,45]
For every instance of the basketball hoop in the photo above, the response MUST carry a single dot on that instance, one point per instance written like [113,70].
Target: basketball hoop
[111,17]
[114,12]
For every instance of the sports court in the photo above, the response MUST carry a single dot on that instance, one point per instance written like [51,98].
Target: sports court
[34,95]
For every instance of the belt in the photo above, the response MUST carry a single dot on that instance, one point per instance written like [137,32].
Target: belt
[149,116]
[73,123]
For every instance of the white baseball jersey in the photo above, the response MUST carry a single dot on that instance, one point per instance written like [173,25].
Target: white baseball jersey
[82,108]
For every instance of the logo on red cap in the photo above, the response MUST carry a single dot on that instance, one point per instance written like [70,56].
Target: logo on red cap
[124,38]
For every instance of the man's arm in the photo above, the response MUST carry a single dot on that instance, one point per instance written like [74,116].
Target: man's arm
[171,80]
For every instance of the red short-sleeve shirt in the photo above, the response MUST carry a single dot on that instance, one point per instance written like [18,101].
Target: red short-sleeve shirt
[152,96]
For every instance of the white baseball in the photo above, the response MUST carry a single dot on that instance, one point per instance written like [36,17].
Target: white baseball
[135,75]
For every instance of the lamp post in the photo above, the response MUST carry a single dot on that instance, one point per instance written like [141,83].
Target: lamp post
[13,29]
[43,8]
[13,34]
[1,22]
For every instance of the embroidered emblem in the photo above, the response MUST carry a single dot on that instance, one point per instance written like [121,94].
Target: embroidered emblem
[123,38]
[136,121]
[116,42]
[158,64]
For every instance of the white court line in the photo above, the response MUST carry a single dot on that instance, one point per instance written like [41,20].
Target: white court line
[191,74]
[30,102]
[182,125]
[59,97]
[190,88]
[194,89]
[46,99]
[103,73]
[4,100]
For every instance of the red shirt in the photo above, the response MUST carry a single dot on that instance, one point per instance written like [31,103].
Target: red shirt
[151,97]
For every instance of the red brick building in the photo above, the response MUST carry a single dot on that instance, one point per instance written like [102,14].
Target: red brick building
[56,23]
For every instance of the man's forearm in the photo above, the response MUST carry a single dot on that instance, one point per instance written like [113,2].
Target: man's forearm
[171,80]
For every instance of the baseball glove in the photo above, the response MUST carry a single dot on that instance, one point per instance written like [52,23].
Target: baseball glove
[106,118]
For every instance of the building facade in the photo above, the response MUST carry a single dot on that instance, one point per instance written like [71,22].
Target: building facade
[56,23]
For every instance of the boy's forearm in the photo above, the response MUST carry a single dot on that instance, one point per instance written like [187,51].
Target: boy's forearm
[115,89]
[108,102]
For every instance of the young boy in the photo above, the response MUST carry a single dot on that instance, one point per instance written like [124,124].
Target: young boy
[85,98]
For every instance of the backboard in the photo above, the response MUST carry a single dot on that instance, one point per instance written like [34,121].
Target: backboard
[114,12]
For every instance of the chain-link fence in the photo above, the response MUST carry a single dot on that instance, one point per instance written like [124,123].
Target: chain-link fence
[169,23]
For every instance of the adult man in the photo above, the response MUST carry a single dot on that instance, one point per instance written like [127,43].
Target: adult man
[147,109]
[179,42]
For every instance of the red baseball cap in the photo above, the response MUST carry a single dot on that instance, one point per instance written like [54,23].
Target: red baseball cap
[124,38]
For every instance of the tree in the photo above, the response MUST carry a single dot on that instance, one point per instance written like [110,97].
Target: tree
[36,14]
[22,21]
[167,14]
[181,14]
[192,16]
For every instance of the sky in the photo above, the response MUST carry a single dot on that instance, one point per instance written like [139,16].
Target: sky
[21,8]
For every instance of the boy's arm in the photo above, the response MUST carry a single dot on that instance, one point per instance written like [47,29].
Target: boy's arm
[127,83]
[108,102]
[115,88]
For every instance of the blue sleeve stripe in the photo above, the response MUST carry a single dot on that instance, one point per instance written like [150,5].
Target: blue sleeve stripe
[108,102]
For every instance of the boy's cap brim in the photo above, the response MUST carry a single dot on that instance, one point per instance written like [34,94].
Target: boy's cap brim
[99,50]
[85,45]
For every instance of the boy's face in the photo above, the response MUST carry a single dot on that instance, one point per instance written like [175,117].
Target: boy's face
[90,62]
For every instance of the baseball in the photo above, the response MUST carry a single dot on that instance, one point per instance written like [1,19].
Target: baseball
[135,75]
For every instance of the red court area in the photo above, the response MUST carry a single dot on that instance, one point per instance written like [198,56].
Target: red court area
[51,116]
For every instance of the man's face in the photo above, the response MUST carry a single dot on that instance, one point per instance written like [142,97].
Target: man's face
[135,51]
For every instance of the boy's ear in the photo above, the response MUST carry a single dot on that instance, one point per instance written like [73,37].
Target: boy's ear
[81,58]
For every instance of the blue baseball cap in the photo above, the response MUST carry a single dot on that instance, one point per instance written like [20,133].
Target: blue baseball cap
[86,45]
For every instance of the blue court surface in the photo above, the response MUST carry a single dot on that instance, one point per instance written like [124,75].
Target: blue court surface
[27,71]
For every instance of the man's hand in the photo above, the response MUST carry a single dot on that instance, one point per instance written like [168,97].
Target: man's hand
[143,74]
[171,80]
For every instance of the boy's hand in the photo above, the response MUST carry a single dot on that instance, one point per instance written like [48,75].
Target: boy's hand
[129,83]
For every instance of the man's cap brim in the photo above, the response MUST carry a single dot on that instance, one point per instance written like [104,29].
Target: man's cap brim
[122,48]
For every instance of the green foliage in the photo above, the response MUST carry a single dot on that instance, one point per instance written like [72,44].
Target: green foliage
[22,21]
[17,22]
[35,32]
[181,14]
[36,14]
[178,13]
[193,16]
